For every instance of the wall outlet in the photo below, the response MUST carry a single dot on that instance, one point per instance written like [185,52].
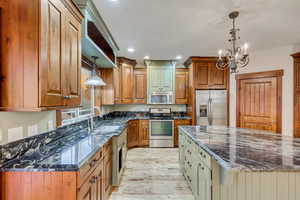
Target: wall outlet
[14,134]
[50,125]
[32,130]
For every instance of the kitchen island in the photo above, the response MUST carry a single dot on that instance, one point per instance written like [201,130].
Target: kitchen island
[222,163]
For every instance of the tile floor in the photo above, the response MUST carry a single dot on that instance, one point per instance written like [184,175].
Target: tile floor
[152,174]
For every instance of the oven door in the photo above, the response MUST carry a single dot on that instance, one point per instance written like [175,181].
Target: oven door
[161,129]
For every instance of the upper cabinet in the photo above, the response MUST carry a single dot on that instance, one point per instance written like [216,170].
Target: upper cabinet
[140,86]
[205,73]
[182,85]
[40,67]
[96,38]
[123,79]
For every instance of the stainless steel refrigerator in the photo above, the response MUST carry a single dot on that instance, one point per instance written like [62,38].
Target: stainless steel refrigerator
[211,107]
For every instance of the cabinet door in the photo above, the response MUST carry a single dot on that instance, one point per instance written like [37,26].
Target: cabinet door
[217,78]
[182,84]
[144,133]
[117,82]
[133,134]
[99,177]
[108,89]
[88,190]
[52,71]
[107,166]
[140,86]
[201,75]
[72,60]
[297,115]
[127,84]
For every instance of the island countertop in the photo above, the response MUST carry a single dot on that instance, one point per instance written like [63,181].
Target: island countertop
[246,149]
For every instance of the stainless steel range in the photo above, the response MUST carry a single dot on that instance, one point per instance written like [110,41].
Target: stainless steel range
[161,128]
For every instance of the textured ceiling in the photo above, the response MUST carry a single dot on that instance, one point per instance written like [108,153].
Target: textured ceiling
[163,29]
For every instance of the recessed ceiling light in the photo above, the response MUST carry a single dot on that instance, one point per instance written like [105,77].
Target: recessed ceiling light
[178,57]
[130,49]
[147,57]
[113,0]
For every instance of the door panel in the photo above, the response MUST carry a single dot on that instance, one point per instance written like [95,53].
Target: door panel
[52,38]
[127,84]
[201,75]
[258,104]
[182,86]
[144,133]
[73,60]
[140,86]
[117,82]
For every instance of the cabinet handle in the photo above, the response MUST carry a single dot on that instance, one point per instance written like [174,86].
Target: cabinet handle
[93,180]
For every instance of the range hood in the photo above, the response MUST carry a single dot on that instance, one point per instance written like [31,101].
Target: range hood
[96,38]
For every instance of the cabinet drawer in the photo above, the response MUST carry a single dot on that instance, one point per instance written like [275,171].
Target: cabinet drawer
[89,167]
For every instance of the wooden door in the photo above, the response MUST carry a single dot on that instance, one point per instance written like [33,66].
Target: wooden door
[176,130]
[52,71]
[259,101]
[72,61]
[182,86]
[133,134]
[127,84]
[140,86]
[116,83]
[296,94]
[144,133]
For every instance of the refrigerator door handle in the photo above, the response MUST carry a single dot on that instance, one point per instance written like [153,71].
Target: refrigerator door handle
[209,111]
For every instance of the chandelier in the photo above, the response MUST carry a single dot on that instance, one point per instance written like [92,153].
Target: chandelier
[234,58]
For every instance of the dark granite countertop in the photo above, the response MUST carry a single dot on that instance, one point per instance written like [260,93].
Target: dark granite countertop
[67,148]
[246,149]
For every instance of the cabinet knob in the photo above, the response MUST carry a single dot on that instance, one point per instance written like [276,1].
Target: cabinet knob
[93,179]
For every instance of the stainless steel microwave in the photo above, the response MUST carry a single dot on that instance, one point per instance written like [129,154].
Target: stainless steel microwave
[161,98]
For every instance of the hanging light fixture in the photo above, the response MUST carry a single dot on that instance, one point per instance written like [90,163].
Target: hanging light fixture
[95,80]
[237,57]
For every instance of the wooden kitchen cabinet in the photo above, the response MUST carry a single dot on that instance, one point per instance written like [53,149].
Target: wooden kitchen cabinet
[43,55]
[140,86]
[296,57]
[144,133]
[206,75]
[117,85]
[107,170]
[182,86]
[179,122]
[127,66]
[133,133]
[107,90]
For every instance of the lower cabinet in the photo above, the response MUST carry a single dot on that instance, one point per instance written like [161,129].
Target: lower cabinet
[179,122]
[138,133]
[195,165]
[133,134]
[92,189]
[144,133]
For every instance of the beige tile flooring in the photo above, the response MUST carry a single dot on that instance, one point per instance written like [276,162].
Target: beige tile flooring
[152,174]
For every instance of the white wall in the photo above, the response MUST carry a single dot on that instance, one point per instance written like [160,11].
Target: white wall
[271,59]
[14,125]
